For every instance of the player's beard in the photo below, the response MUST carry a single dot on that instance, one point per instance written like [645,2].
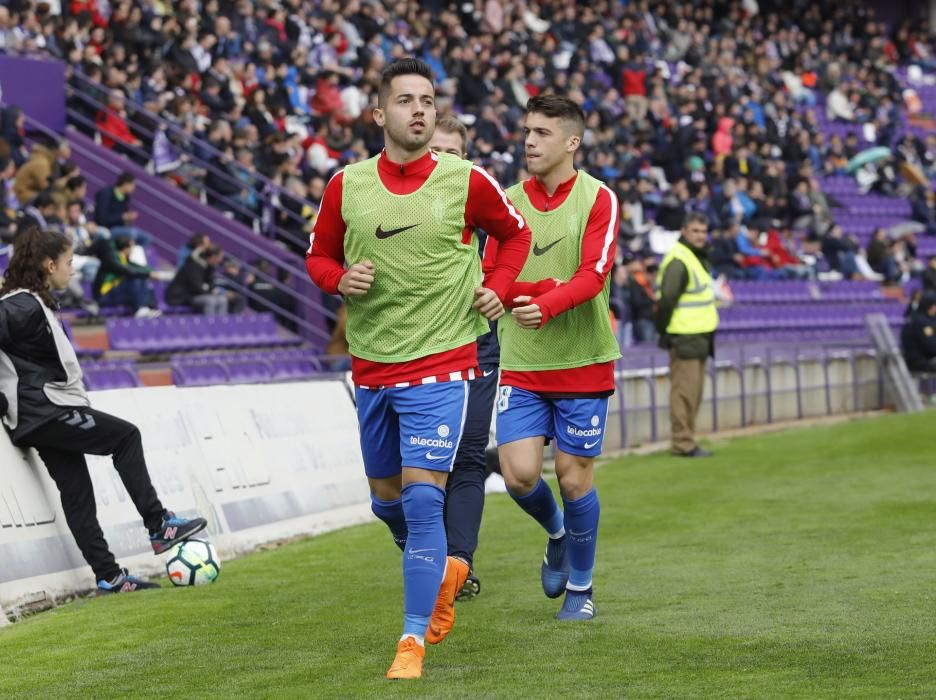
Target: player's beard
[408,140]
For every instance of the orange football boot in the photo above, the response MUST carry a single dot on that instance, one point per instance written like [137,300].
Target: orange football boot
[443,615]
[408,661]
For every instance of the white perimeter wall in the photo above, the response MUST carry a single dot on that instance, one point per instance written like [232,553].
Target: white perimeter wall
[260,462]
[267,462]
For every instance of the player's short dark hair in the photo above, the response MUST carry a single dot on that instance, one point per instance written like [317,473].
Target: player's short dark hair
[402,66]
[125,177]
[452,125]
[558,107]
[695,217]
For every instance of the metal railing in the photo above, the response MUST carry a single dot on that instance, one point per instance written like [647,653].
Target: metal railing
[745,363]
[164,217]
[80,88]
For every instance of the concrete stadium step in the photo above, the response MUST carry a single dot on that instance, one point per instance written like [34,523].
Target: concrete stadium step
[155,376]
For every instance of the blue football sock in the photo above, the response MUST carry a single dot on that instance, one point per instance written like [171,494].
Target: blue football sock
[581,521]
[425,554]
[541,505]
[391,512]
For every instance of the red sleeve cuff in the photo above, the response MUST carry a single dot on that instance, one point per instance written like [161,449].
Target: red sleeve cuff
[325,273]
[529,289]
[544,309]
[500,287]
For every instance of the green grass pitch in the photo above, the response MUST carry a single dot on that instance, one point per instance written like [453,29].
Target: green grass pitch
[798,564]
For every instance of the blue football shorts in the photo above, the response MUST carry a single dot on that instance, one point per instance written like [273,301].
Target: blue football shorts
[411,426]
[577,425]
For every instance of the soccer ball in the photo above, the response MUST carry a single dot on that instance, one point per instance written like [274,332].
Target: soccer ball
[192,563]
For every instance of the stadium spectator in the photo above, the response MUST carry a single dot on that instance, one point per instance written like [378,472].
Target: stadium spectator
[223,185]
[196,244]
[232,281]
[112,209]
[82,234]
[929,275]
[294,216]
[838,105]
[634,83]
[836,160]
[42,213]
[641,300]
[75,189]
[782,251]
[840,251]
[8,201]
[673,207]
[725,257]
[112,123]
[918,336]
[881,256]
[35,175]
[13,131]
[120,282]
[924,209]
[686,320]
[194,283]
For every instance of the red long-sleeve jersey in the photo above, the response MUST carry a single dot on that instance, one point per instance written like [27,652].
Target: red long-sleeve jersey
[597,258]
[487,207]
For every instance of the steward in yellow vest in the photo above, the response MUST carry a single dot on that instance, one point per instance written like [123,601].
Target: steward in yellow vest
[686,316]
[686,319]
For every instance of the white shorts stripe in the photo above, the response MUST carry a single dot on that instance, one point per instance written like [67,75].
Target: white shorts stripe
[461,428]
[459,376]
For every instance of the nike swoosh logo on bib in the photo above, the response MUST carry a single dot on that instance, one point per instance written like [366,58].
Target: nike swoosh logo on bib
[381,234]
[540,251]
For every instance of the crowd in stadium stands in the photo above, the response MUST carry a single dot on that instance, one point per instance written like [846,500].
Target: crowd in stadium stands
[708,105]
[110,251]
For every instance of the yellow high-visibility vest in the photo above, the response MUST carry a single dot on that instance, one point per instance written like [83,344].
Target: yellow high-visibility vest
[695,311]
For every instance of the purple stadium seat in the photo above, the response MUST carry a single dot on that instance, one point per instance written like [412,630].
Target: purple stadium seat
[194,332]
[199,373]
[248,371]
[110,374]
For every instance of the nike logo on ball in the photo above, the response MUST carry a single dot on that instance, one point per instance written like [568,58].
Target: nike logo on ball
[381,234]
[540,251]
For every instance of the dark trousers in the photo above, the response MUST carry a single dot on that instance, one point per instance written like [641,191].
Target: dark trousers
[464,501]
[62,445]
[132,291]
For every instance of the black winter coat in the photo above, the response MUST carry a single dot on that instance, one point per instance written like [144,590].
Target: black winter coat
[39,372]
